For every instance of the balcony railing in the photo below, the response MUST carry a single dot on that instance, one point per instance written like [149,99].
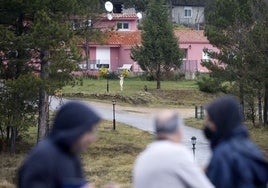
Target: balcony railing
[189,66]
[94,64]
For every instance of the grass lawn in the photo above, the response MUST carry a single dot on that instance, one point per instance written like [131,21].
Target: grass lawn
[258,135]
[172,93]
[110,159]
[131,86]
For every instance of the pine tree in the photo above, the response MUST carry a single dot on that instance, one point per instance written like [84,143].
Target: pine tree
[36,37]
[159,51]
[233,26]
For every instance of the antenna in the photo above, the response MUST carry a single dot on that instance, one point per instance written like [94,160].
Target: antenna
[139,15]
[109,6]
[109,16]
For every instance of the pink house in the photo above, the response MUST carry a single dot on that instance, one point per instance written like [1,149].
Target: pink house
[121,34]
[119,22]
[115,52]
[193,42]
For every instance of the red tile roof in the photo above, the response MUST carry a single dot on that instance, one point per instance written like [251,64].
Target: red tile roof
[134,37]
[123,37]
[123,16]
[191,36]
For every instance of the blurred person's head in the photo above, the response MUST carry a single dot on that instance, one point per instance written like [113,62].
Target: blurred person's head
[75,127]
[223,116]
[167,126]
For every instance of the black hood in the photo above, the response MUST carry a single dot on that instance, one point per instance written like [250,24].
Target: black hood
[71,121]
[225,113]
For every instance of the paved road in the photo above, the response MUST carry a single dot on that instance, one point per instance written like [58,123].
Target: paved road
[133,116]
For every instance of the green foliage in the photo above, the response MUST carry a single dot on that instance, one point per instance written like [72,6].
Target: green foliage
[159,51]
[239,29]
[36,39]
[173,76]
[18,107]
[113,75]
[208,84]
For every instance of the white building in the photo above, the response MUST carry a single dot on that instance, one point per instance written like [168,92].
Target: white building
[189,13]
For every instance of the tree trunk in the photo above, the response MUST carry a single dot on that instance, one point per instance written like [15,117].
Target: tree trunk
[251,106]
[43,115]
[158,85]
[8,133]
[158,77]
[241,97]
[265,105]
[43,99]
[260,106]
[13,139]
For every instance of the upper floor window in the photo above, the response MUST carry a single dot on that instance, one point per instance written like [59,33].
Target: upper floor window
[123,26]
[188,12]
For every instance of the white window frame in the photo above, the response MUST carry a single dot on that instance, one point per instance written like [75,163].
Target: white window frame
[205,56]
[123,29]
[188,9]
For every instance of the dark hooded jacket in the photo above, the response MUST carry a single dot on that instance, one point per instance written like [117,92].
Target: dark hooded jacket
[51,163]
[236,162]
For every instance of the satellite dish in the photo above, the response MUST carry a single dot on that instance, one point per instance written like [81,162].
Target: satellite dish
[109,16]
[109,6]
[139,15]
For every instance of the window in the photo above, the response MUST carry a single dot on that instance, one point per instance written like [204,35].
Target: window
[187,12]
[123,26]
[205,55]
[184,53]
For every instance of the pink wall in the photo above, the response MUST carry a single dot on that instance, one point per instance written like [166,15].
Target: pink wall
[195,52]
[125,55]
[114,59]
[120,55]
[107,24]
[124,58]
[92,52]
[133,25]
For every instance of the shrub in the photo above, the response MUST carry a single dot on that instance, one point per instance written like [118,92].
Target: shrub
[113,75]
[208,84]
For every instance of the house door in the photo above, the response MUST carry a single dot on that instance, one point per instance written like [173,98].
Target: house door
[103,57]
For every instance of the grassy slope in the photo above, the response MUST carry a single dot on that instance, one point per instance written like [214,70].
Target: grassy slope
[172,93]
[111,158]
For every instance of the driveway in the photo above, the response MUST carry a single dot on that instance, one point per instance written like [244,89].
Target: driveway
[142,118]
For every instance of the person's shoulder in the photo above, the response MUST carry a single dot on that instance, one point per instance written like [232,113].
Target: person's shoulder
[224,152]
[223,147]
[44,151]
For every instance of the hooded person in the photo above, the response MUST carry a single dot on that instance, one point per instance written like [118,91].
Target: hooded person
[55,161]
[236,162]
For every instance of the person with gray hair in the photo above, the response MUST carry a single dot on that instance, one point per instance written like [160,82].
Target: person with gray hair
[166,162]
